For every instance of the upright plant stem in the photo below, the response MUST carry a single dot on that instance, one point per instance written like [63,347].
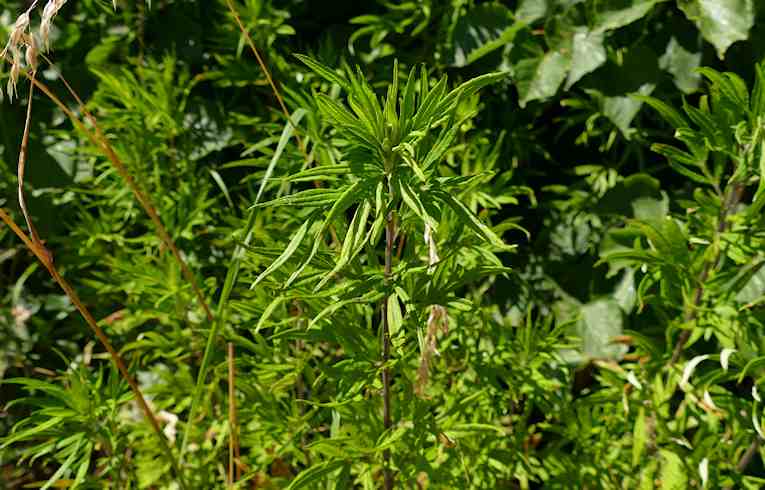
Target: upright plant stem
[233,443]
[389,239]
[748,455]
[730,200]
[45,257]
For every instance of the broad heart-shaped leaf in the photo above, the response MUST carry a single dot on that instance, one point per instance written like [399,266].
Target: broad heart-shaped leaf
[612,14]
[754,289]
[721,22]
[621,110]
[539,78]
[619,199]
[600,322]
[681,64]
[483,29]
[588,54]
[529,11]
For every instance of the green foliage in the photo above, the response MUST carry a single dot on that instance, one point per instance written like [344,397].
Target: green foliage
[532,229]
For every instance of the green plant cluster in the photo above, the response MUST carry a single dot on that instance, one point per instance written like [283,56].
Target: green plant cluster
[439,244]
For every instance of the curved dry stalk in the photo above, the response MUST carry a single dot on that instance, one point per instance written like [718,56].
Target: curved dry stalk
[45,257]
[140,196]
[99,140]
[21,166]
[267,74]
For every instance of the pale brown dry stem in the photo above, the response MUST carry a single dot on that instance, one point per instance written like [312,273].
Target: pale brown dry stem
[44,256]
[279,99]
[21,165]
[142,198]
[99,140]
[267,74]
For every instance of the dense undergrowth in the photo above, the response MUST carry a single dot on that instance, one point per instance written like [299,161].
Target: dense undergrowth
[426,244]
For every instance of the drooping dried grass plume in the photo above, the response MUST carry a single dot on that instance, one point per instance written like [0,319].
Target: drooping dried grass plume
[22,39]
[13,49]
[438,320]
[49,13]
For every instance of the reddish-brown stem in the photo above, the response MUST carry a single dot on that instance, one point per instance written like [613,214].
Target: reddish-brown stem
[748,455]
[44,256]
[387,422]
[731,199]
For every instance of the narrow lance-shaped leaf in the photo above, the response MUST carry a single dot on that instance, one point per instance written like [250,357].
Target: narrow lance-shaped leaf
[472,221]
[669,113]
[428,109]
[758,93]
[307,198]
[65,466]
[311,476]
[470,87]
[286,135]
[323,172]
[391,100]
[323,71]
[291,247]
[408,102]
[341,204]
[357,222]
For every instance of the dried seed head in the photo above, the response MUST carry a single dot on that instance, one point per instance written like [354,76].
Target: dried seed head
[17,39]
[17,33]
[49,12]
[14,75]
[31,54]
[438,320]
[433,257]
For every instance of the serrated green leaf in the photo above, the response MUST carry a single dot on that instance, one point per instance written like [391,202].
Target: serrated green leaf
[483,29]
[682,65]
